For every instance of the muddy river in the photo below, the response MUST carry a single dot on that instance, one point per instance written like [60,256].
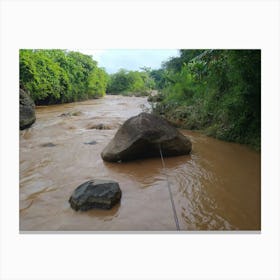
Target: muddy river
[216,187]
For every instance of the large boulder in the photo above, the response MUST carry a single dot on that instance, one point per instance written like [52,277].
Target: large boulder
[95,193]
[142,136]
[27,110]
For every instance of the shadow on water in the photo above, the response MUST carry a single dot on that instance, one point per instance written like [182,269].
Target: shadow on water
[102,214]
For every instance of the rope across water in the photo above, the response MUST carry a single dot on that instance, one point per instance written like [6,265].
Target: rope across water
[169,190]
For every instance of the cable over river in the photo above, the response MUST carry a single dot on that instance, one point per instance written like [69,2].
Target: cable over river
[216,187]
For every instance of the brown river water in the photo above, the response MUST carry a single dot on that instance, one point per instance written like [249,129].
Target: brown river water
[216,187]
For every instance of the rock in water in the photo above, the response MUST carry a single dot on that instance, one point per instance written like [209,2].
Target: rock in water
[50,144]
[141,136]
[95,194]
[27,110]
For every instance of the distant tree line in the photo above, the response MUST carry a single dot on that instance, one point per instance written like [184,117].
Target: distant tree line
[59,76]
[131,82]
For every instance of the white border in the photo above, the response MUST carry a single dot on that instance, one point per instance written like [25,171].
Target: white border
[153,24]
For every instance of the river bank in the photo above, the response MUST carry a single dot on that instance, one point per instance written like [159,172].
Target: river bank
[193,118]
[217,187]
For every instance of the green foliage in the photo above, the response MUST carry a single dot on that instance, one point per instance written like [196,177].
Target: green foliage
[97,83]
[160,78]
[217,91]
[176,63]
[59,76]
[130,82]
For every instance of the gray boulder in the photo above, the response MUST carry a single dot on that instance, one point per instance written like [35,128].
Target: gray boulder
[95,193]
[27,110]
[141,136]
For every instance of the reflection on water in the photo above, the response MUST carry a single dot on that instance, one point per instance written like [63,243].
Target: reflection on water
[217,187]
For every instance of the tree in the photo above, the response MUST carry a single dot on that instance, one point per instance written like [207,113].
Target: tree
[130,82]
[58,76]
[218,91]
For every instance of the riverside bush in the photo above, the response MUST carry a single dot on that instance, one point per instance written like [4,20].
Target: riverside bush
[216,91]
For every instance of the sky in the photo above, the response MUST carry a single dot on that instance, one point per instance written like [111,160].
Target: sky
[113,60]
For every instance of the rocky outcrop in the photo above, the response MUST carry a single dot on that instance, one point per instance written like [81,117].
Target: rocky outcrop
[96,193]
[27,110]
[141,136]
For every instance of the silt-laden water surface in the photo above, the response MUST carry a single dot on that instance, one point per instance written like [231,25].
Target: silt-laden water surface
[216,187]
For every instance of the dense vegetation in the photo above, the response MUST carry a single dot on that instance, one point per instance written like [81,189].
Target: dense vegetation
[131,82]
[59,76]
[216,91]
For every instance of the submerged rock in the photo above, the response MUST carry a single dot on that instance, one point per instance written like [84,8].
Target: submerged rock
[70,114]
[99,126]
[141,136]
[26,110]
[95,193]
[93,142]
[50,144]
